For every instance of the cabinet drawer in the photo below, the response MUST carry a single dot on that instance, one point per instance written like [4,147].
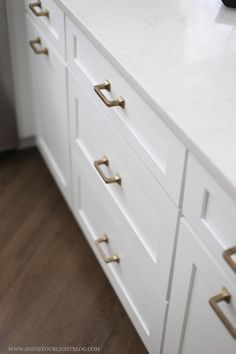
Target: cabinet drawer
[145,212]
[212,214]
[201,315]
[139,297]
[51,21]
[159,149]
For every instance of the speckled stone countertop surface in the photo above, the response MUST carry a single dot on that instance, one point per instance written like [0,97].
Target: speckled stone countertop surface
[180,55]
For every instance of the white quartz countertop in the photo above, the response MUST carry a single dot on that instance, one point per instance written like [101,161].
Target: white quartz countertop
[180,55]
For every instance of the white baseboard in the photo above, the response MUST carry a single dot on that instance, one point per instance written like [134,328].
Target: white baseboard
[27,143]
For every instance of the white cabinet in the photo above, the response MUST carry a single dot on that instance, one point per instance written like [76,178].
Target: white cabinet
[138,294]
[193,326]
[49,18]
[211,212]
[140,214]
[148,218]
[158,148]
[49,95]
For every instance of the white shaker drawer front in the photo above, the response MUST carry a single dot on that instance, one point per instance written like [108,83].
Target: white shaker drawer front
[144,210]
[212,214]
[51,21]
[202,309]
[156,145]
[144,305]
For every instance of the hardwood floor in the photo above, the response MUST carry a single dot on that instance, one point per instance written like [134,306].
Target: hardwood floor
[53,292]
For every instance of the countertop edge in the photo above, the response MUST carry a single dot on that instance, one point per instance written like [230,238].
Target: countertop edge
[211,168]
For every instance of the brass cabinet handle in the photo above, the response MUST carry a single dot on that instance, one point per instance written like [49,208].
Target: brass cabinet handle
[227,256]
[108,180]
[109,103]
[37,41]
[107,259]
[224,295]
[33,7]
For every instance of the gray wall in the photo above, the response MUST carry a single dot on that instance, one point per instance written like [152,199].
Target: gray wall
[8,130]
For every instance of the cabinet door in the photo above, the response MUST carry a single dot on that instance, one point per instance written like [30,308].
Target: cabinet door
[193,326]
[48,81]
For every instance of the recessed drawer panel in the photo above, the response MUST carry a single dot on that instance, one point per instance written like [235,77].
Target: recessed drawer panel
[212,214]
[50,19]
[145,212]
[161,152]
[139,297]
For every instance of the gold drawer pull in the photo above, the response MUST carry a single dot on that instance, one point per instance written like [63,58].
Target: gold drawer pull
[33,8]
[37,51]
[108,180]
[214,300]
[227,256]
[109,103]
[107,259]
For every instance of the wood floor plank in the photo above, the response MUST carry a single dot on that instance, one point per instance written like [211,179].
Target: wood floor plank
[53,292]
